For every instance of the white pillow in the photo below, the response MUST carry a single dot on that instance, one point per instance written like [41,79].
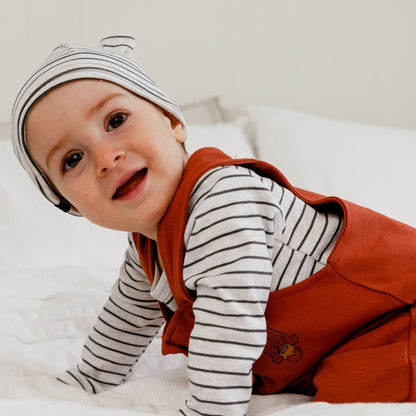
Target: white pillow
[230,137]
[367,164]
[33,233]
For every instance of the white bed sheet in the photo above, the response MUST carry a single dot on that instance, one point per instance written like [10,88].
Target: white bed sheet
[41,334]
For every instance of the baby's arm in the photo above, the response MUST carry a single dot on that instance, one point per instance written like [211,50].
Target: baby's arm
[128,322]
[228,265]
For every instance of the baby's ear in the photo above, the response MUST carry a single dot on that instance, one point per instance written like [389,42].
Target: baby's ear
[177,127]
[180,132]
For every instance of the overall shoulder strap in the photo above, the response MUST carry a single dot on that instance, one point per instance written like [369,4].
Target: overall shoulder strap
[171,229]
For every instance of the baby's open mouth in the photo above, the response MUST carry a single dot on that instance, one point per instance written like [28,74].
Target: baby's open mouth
[130,184]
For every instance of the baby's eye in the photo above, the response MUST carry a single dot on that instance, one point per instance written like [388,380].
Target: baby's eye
[116,120]
[71,160]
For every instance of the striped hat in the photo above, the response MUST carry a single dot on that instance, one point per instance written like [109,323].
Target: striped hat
[109,62]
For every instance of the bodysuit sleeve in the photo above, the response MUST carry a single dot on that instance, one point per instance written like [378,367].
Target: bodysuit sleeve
[126,325]
[229,244]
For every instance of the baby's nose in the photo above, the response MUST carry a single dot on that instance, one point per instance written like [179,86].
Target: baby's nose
[107,158]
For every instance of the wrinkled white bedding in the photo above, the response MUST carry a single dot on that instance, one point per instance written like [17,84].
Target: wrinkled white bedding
[45,315]
[51,287]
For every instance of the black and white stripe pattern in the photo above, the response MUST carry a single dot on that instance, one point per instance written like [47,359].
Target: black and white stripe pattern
[246,236]
[128,322]
[67,62]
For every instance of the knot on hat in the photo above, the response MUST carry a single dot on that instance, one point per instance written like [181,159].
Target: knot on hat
[123,44]
[60,51]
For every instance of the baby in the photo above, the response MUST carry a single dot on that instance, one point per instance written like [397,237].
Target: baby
[266,288]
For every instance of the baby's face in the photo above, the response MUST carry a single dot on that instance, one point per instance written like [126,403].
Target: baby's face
[115,157]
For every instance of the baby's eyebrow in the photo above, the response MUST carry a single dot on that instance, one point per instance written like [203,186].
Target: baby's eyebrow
[96,107]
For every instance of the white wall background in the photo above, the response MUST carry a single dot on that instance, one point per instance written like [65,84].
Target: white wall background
[353,59]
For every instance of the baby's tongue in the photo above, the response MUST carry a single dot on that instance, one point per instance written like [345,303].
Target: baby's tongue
[130,184]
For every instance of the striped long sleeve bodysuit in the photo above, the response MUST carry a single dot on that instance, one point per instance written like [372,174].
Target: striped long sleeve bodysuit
[245,237]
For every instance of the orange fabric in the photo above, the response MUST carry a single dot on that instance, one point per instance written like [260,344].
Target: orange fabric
[377,358]
[344,334]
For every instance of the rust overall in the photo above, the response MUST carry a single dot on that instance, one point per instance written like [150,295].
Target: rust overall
[345,334]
